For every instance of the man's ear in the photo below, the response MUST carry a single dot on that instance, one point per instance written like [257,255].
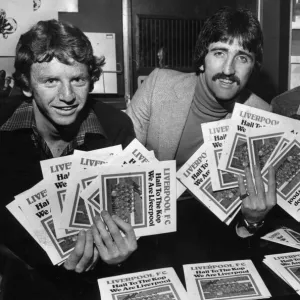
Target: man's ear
[27,93]
[201,68]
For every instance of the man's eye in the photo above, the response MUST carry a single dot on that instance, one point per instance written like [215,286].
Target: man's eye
[243,59]
[51,81]
[218,53]
[79,81]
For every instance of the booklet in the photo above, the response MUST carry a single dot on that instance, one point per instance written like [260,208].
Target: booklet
[134,153]
[286,266]
[56,172]
[287,173]
[224,280]
[261,144]
[85,167]
[154,284]
[235,153]
[35,204]
[214,134]
[195,175]
[143,195]
[284,236]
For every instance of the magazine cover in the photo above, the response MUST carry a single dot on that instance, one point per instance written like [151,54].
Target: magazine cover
[85,168]
[56,172]
[235,153]
[214,134]
[134,153]
[195,175]
[285,140]
[284,236]
[286,266]
[159,284]
[262,143]
[287,173]
[143,195]
[224,280]
[35,205]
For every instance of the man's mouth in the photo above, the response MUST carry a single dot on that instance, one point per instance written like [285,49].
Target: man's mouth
[226,81]
[65,110]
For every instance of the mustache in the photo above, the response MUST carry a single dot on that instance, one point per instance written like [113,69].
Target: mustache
[226,77]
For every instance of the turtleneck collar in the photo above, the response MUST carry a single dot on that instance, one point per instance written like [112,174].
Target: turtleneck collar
[205,103]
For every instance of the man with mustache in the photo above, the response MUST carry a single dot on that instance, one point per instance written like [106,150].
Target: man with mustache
[170,106]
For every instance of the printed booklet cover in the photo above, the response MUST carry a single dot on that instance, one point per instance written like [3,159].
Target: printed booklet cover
[235,153]
[143,195]
[287,173]
[34,203]
[195,175]
[56,172]
[159,284]
[134,153]
[286,266]
[85,168]
[284,236]
[214,134]
[224,280]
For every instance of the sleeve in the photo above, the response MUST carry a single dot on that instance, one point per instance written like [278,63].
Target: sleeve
[139,109]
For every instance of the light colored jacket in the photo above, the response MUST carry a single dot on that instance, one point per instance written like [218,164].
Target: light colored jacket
[160,107]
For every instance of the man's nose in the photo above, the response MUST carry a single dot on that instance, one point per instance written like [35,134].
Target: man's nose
[66,93]
[228,67]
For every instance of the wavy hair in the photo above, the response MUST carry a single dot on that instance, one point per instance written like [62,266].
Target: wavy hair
[54,39]
[226,25]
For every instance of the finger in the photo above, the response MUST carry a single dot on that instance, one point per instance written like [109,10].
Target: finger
[87,256]
[95,259]
[113,229]
[98,241]
[76,254]
[241,185]
[271,194]
[127,229]
[105,235]
[250,184]
[260,189]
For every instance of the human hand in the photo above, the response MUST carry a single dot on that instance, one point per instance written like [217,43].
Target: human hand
[113,247]
[84,256]
[256,206]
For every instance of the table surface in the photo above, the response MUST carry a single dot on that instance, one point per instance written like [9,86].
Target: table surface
[201,237]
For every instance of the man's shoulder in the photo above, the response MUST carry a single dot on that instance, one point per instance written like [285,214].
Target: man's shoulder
[257,102]
[168,75]
[287,103]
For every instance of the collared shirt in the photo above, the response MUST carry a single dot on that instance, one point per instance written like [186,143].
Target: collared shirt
[23,118]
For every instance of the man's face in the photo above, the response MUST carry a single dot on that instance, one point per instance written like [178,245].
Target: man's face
[59,91]
[227,69]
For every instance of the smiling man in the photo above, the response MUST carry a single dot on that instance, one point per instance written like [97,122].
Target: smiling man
[168,109]
[56,69]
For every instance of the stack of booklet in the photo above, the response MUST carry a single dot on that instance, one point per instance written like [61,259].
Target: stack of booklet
[287,267]
[220,280]
[224,280]
[250,137]
[130,183]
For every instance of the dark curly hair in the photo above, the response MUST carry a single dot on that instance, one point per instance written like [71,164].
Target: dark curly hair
[49,39]
[226,25]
